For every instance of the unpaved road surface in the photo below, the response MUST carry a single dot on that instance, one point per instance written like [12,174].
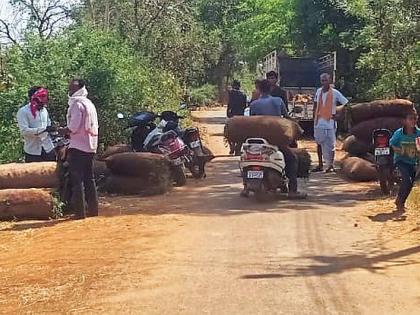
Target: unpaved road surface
[204,250]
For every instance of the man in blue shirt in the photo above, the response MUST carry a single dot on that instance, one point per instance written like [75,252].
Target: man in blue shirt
[268,105]
[406,157]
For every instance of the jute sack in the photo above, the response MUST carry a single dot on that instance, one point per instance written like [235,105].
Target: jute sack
[356,147]
[100,169]
[26,204]
[129,185]
[364,130]
[358,169]
[277,131]
[29,175]
[380,108]
[115,149]
[137,164]
[304,162]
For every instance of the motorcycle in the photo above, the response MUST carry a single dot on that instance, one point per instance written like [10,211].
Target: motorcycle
[388,174]
[263,169]
[167,138]
[196,158]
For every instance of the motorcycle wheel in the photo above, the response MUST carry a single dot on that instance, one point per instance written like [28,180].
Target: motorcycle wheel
[179,176]
[197,168]
[385,178]
[261,194]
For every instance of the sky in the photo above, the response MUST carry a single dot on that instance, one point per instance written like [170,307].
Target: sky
[13,17]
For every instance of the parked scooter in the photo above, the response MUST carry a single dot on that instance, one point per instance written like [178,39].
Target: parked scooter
[263,168]
[388,174]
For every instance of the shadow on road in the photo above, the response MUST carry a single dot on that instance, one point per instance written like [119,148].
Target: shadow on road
[325,265]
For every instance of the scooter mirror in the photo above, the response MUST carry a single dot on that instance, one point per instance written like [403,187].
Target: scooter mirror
[120,116]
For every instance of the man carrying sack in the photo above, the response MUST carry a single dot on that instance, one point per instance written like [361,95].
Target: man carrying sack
[326,100]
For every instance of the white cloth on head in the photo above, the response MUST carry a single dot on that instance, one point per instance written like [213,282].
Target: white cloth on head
[82,120]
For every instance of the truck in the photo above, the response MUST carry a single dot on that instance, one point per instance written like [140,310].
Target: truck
[299,76]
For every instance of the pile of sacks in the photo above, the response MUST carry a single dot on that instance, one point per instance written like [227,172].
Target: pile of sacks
[137,173]
[277,131]
[26,190]
[362,120]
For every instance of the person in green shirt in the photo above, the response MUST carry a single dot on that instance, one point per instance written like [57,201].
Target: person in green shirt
[406,157]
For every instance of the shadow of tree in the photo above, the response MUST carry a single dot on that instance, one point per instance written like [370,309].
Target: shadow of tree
[324,265]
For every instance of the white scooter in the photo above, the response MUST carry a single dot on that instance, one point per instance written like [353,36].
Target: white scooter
[263,169]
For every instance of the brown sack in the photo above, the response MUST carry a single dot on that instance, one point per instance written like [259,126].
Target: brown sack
[154,185]
[358,169]
[100,169]
[276,130]
[380,108]
[115,149]
[364,130]
[29,175]
[356,147]
[137,164]
[304,162]
[26,204]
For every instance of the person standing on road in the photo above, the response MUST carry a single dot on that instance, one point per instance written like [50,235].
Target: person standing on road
[34,124]
[236,107]
[237,100]
[406,157]
[82,128]
[275,89]
[268,105]
[325,128]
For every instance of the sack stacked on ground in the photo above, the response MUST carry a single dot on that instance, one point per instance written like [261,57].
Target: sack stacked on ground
[24,190]
[356,147]
[277,131]
[358,169]
[138,173]
[304,162]
[115,149]
[26,203]
[364,119]
[29,175]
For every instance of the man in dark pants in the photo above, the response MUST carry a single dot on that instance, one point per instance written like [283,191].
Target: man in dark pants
[236,107]
[275,89]
[82,128]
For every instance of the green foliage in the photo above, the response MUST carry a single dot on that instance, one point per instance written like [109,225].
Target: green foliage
[203,95]
[118,81]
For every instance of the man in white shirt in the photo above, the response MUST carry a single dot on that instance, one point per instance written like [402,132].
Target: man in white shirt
[326,100]
[34,124]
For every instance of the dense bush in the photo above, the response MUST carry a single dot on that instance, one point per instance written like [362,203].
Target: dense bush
[118,81]
[203,95]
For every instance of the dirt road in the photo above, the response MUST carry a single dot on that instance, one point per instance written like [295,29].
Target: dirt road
[204,250]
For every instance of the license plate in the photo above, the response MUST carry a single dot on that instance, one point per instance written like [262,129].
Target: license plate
[195,144]
[255,174]
[382,151]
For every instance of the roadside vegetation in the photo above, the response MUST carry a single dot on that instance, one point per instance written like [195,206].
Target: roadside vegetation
[153,54]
